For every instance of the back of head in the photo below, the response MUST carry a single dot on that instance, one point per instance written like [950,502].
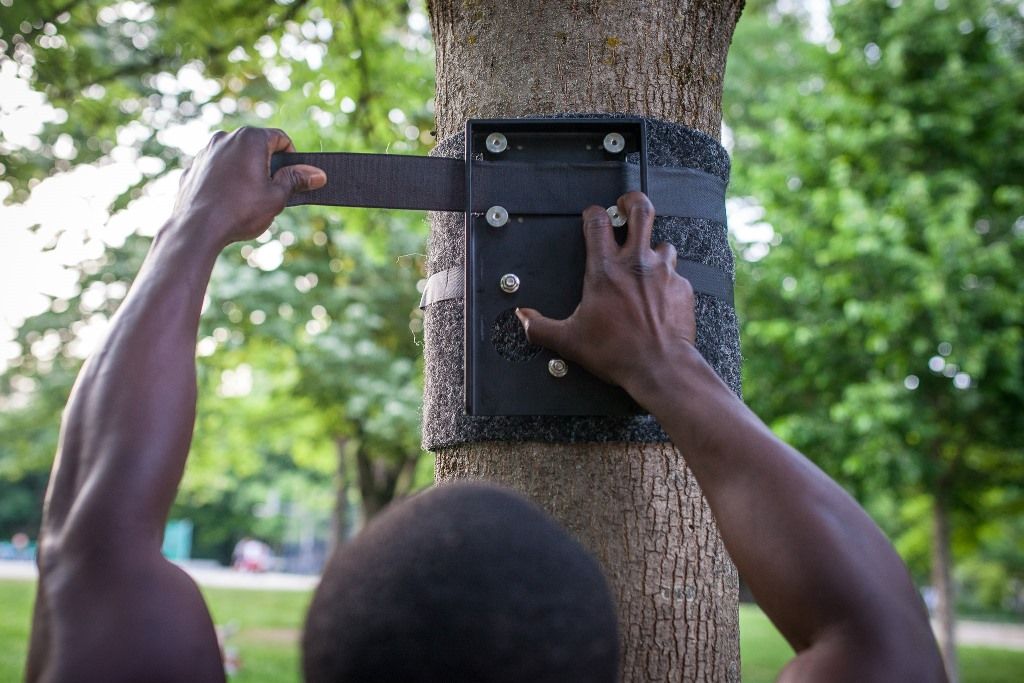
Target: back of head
[467,582]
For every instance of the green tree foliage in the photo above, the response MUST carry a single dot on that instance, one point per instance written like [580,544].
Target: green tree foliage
[883,328]
[310,368]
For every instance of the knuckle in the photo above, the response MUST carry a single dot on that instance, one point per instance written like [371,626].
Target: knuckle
[667,252]
[598,268]
[641,266]
[685,286]
[294,178]
[594,222]
[595,217]
[643,211]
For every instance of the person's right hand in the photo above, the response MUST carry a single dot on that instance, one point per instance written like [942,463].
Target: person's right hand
[636,316]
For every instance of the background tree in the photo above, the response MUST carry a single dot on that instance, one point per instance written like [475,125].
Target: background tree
[331,292]
[883,328]
[635,506]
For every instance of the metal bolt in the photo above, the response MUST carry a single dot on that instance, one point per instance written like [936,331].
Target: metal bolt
[618,218]
[497,143]
[509,283]
[497,216]
[614,143]
[558,367]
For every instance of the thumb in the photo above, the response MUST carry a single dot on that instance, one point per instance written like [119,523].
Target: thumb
[298,178]
[540,330]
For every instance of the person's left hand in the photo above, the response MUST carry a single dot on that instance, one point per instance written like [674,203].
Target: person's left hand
[228,190]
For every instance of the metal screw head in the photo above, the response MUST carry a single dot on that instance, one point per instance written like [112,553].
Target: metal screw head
[618,218]
[509,283]
[497,216]
[614,143]
[496,143]
[558,367]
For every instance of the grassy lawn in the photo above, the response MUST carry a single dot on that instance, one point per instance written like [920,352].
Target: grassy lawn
[267,624]
[764,652]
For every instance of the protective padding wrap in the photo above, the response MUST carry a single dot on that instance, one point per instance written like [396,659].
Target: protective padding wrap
[445,422]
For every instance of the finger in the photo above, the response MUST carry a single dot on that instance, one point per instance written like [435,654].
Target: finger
[667,252]
[640,218]
[598,235]
[298,178]
[540,330]
[279,140]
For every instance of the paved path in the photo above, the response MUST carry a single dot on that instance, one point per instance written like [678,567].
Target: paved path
[980,633]
[204,575]
[989,634]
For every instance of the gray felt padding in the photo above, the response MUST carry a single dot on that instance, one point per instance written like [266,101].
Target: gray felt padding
[445,422]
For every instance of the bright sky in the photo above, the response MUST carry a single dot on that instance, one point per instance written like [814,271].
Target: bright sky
[67,220]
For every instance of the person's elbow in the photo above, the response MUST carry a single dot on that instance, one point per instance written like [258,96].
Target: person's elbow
[896,645]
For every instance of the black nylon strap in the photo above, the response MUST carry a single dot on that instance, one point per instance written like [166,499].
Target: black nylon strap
[707,280]
[383,181]
[439,184]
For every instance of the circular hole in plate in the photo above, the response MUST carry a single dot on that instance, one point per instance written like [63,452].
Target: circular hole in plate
[509,338]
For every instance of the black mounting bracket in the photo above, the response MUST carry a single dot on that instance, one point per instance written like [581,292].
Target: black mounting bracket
[536,260]
[523,185]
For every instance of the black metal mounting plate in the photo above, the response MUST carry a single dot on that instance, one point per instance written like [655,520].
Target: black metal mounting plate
[504,375]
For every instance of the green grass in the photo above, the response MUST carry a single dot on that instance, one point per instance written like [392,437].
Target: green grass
[989,665]
[763,650]
[268,624]
[16,599]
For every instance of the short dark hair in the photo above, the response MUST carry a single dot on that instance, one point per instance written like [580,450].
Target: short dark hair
[466,582]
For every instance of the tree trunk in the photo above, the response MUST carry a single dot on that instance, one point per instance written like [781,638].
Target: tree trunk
[945,605]
[378,479]
[340,519]
[635,506]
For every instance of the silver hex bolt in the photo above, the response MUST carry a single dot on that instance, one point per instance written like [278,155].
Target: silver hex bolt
[496,143]
[497,216]
[558,367]
[509,283]
[614,143]
[618,218]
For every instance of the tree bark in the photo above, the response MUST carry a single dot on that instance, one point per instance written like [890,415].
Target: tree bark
[635,506]
[339,520]
[378,481]
[945,605]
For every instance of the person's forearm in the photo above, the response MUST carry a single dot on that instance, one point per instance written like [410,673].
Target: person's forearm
[103,584]
[813,559]
[128,424]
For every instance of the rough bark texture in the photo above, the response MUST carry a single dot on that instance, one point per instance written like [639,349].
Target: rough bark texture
[660,58]
[943,582]
[635,506]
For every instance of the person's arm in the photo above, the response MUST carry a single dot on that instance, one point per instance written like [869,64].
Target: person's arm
[818,565]
[109,606]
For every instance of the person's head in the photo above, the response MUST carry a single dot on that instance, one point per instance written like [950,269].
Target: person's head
[466,582]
